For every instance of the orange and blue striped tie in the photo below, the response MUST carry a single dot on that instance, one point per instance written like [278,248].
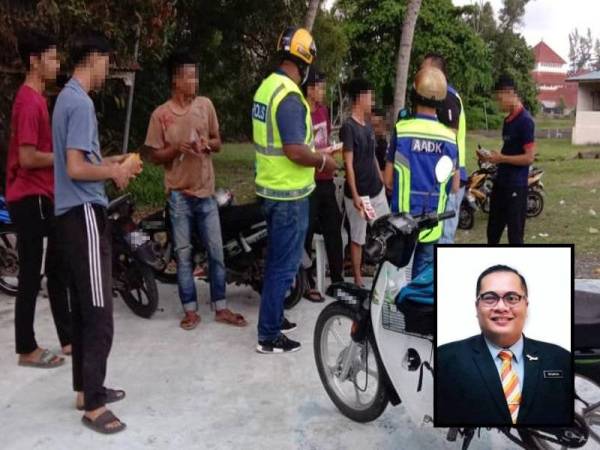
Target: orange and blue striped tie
[510,384]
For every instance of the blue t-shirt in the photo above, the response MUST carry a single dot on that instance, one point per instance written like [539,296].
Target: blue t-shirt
[421,156]
[291,118]
[518,133]
[74,126]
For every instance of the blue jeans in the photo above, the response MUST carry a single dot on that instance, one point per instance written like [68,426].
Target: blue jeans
[422,258]
[189,214]
[450,225]
[287,222]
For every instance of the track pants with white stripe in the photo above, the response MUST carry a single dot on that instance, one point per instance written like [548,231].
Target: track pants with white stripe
[86,232]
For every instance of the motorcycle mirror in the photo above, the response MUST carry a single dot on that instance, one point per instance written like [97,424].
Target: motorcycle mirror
[443,168]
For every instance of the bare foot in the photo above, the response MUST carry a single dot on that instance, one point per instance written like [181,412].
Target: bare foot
[67,350]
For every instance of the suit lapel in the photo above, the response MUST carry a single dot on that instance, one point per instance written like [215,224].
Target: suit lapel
[532,372]
[491,379]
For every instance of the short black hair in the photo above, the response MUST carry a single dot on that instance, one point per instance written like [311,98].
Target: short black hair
[178,59]
[505,82]
[314,77]
[500,268]
[33,43]
[379,112]
[356,87]
[438,61]
[87,43]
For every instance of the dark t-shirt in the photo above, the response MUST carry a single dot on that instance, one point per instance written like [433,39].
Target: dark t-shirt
[518,133]
[449,112]
[360,140]
[381,148]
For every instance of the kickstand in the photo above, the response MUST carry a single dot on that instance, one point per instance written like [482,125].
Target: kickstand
[468,434]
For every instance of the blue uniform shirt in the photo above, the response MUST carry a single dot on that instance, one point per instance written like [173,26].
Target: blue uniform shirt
[291,119]
[424,186]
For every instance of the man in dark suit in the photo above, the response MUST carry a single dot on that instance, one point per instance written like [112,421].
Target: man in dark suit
[500,377]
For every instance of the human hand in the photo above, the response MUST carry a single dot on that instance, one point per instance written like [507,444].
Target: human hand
[120,175]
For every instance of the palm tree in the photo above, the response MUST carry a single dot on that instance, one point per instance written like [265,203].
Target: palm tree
[403,61]
[311,14]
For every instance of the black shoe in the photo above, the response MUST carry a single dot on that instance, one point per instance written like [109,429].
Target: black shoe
[288,326]
[279,345]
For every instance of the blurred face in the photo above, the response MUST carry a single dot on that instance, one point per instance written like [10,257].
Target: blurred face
[502,324]
[185,80]
[378,125]
[365,100]
[316,93]
[505,99]
[99,63]
[47,64]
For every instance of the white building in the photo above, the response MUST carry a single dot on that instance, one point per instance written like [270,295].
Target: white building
[587,120]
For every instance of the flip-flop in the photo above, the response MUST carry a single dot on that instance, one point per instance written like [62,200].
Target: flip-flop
[312,295]
[237,320]
[45,361]
[188,324]
[100,424]
[112,395]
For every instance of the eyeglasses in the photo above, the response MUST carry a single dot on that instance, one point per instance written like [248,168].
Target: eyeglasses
[491,299]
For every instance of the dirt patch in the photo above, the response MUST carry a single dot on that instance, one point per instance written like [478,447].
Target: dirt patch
[587,266]
[589,181]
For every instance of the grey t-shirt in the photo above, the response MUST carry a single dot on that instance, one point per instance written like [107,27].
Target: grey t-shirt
[360,140]
[74,126]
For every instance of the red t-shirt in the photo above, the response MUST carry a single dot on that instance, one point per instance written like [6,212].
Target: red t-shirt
[30,125]
[321,132]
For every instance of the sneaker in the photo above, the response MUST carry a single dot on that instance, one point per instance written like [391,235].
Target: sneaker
[279,345]
[288,326]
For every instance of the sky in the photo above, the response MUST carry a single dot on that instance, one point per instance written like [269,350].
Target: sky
[553,20]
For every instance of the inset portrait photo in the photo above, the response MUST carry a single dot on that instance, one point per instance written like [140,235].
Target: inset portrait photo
[504,320]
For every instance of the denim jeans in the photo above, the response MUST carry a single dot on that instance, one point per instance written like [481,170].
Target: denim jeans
[450,225]
[200,215]
[422,258]
[287,222]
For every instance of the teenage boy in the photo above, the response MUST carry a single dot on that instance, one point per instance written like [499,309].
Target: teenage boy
[364,193]
[30,196]
[324,211]
[80,172]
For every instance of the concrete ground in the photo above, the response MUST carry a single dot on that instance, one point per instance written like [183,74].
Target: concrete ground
[205,389]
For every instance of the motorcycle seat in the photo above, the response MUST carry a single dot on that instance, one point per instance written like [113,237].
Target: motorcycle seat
[587,320]
[117,202]
[237,218]
[348,293]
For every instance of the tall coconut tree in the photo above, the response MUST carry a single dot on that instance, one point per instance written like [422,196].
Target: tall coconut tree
[311,14]
[403,61]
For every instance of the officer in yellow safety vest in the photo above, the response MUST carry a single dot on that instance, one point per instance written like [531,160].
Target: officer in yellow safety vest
[285,171]
[452,114]
[417,145]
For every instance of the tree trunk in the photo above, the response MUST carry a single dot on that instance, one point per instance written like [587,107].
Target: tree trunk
[311,14]
[403,61]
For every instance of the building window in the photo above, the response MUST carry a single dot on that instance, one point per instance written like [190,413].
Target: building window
[595,100]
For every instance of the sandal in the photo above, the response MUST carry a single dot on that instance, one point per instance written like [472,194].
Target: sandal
[312,295]
[190,321]
[47,360]
[112,395]
[228,317]
[102,422]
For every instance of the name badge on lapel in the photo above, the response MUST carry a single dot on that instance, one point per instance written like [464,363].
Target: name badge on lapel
[553,374]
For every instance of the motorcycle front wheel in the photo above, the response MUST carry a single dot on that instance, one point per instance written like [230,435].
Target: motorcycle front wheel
[9,262]
[466,217]
[137,288]
[349,371]
[535,203]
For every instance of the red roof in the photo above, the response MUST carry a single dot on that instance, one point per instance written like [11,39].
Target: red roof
[548,78]
[568,92]
[544,54]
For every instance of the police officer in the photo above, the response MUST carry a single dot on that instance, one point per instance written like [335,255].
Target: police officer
[452,114]
[417,146]
[285,170]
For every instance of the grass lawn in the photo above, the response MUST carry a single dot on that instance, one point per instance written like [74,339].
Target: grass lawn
[572,193]
[543,123]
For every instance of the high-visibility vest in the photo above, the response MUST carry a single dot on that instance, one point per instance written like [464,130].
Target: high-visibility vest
[420,143]
[278,177]
[461,136]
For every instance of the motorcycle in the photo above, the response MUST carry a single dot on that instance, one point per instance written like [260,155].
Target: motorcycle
[244,234]
[479,189]
[9,258]
[370,352]
[135,258]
